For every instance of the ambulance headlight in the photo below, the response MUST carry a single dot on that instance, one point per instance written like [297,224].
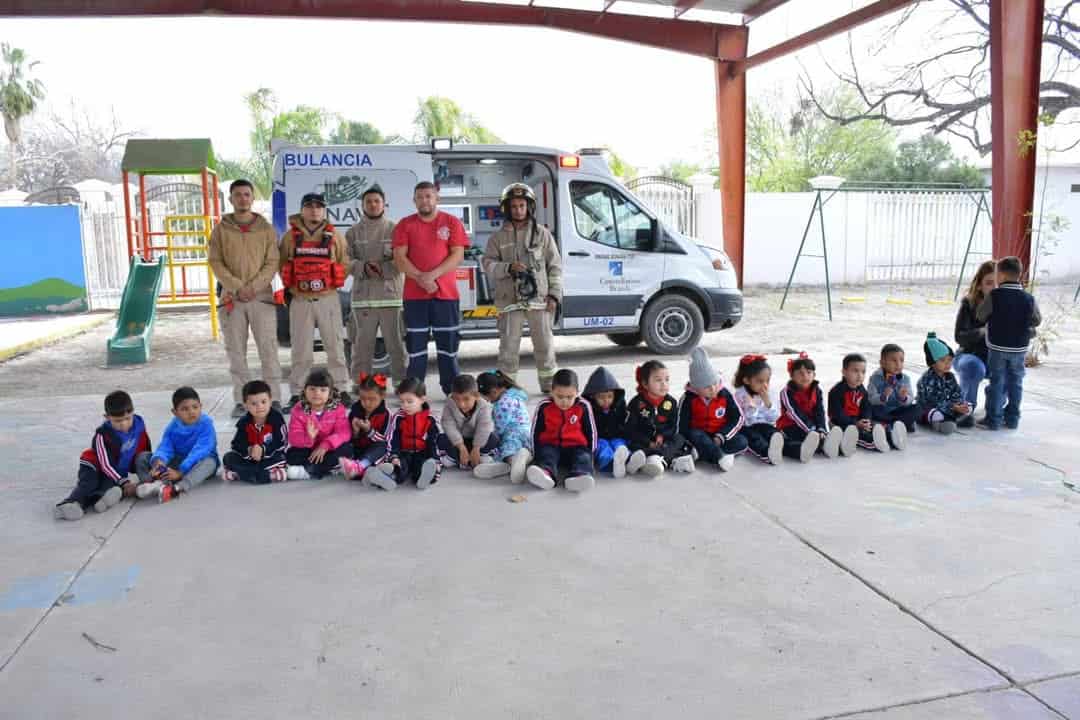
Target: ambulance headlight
[718,258]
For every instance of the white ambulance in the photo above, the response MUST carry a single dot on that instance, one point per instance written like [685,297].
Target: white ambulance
[625,273]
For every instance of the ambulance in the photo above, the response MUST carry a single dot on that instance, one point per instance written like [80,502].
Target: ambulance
[626,274]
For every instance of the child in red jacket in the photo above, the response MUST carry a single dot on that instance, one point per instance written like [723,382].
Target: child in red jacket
[564,434]
[319,430]
[709,417]
[412,442]
[369,420]
[802,414]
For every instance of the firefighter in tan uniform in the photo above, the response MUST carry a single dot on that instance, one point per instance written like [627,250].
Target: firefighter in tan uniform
[313,262]
[377,288]
[524,262]
[243,254]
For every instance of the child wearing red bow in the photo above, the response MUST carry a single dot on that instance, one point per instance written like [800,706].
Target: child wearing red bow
[760,409]
[802,414]
[652,422]
[368,418]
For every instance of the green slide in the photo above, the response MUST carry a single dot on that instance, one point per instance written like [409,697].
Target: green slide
[138,308]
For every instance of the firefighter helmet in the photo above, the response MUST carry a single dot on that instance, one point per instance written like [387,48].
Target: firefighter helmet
[517,190]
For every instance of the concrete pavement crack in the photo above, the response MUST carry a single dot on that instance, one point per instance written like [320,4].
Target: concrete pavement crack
[66,589]
[967,596]
[1011,682]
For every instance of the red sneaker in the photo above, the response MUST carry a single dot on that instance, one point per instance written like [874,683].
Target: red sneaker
[168,492]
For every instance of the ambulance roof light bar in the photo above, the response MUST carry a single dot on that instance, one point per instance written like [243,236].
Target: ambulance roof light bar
[442,143]
[571,162]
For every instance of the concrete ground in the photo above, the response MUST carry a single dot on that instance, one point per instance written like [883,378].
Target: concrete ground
[19,335]
[937,583]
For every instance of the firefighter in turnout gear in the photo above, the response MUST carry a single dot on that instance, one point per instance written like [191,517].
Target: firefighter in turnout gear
[313,262]
[524,262]
[377,288]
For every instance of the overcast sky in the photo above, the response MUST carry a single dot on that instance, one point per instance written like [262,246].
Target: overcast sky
[185,77]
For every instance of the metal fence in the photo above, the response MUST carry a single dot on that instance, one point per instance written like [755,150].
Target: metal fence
[671,199]
[105,258]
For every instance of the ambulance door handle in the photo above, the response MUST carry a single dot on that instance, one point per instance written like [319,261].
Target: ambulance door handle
[577,253]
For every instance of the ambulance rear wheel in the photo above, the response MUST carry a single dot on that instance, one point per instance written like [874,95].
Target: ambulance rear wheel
[625,339]
[672,325]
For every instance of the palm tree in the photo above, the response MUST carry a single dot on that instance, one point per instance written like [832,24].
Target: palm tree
[19,97]
[442,117]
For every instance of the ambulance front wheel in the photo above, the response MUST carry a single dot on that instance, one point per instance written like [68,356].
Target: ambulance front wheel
[672,325]
[625,339]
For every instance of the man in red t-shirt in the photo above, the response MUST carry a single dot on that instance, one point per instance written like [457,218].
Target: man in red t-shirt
[428,247]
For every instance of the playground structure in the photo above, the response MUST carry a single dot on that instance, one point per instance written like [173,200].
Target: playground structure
[130,344]
[917,231]
[169,229]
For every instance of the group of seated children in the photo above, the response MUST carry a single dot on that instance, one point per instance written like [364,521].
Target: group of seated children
[486,428]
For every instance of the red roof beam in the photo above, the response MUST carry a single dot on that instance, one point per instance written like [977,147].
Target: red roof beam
[829,29]
[681,6]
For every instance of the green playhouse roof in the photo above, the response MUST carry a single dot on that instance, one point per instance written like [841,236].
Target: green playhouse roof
[168,157]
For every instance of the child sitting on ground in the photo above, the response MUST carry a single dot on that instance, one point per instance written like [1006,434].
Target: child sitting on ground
[564,435]
[1011,316]
[510,413]
[709,417]
[187,454]
[262,437]
[412,442]
[368,420]
[891,398]
[319,430]
[468,439]
[652,420]
[608,401]
[760,410]
[120,447]
[802,414]
[849,410]
[941,401]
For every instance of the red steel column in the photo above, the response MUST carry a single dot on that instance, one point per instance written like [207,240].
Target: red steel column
[731,132]
[1015,54]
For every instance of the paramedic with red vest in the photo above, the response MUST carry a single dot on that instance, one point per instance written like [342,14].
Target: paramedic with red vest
[428,247]
[314,258]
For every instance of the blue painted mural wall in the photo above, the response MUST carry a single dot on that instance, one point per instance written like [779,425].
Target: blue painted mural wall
[41,260]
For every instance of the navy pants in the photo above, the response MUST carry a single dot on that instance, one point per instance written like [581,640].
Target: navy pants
[411,465]
[452,452]
[299,456]
[93,483]
[673,447]
[441,318]
[707,449]
[757,439]
[906,414]
[793,440]
[577,460]
[250,471]
[370,455]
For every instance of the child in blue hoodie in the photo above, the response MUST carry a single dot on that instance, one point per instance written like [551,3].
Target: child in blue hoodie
[187,454]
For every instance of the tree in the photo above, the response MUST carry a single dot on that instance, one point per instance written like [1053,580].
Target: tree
[19,97]
[944,77]
[680,170]
[926,160]
[302,125]
[353,132]
[786,146]
[442,117]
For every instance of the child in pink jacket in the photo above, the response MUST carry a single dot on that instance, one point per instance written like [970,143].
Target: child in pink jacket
[319,431]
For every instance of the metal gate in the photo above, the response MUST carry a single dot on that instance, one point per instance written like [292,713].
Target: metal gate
[672,200]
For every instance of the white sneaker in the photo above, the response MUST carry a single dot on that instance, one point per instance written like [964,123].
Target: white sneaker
[519,465]
[945,427]
[899,435]
[297,472]
[489,470]
[538,476]
[68,511]
[694,453]
[618,461]
[580,483]
[810,446]
[110,498]
[726,462]
[849,443]
[377,478]
[832,442]
[881,438]
[448,462]
[683,464]
[776,448]
[429,474]
[148,489]
[635,462]
[654,466]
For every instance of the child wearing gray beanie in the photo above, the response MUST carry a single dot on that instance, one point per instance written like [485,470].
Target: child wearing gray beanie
[709,417]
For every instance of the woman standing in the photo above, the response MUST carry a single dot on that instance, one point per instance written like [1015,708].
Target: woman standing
[970,362]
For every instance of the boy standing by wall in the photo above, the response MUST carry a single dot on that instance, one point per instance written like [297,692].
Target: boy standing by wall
[1011,314]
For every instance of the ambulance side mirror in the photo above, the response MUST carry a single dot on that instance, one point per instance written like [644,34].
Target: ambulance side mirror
[645,238]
